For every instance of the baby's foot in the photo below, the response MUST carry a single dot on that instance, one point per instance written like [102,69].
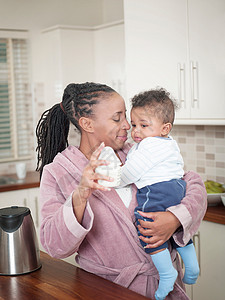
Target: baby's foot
[191,274]
[166,284]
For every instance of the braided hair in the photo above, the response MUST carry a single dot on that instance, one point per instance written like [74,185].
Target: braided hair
[53,127]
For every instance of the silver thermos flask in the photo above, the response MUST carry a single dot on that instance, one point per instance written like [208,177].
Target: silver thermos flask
[19,249]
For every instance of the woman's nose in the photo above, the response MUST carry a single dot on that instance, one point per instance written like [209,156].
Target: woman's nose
[126,125]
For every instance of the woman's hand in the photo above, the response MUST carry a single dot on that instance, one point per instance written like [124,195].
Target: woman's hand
[88,183]
[161,229]
[89,179]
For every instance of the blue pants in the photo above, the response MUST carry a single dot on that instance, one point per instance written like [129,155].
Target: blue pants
[158,197]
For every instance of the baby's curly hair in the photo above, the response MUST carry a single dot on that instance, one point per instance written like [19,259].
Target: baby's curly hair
[159,101]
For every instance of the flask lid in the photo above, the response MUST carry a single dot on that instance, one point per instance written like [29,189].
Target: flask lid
[12,217]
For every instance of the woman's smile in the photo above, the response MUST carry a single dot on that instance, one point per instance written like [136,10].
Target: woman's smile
[122,137]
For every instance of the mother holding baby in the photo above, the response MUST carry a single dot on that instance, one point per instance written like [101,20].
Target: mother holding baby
[80,215]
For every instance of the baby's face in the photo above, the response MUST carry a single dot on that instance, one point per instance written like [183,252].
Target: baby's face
[144,124]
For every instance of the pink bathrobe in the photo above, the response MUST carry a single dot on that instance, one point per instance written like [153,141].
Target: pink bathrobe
[107,242]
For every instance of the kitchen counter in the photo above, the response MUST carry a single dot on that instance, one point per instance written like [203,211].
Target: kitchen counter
[32,180]
[60,280]
[214,214]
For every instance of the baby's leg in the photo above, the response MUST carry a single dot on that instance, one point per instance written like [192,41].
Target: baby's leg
[190,260]
[162,261]
[167,273]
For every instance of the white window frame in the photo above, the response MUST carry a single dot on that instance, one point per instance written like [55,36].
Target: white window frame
[15,136]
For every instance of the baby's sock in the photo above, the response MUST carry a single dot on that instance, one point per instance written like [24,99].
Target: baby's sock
[167,273]
[190,260]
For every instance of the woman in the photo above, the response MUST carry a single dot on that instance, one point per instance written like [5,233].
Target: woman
[79,215]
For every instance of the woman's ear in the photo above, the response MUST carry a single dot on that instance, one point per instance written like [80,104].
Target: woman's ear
[86,124]
[166,129]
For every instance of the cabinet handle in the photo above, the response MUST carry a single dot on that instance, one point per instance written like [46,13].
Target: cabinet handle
[181,84]
[194,84]
[196,242]
[36,210]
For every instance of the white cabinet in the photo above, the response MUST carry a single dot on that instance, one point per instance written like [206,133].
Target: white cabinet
[210,249]
[17,198]
[206,65]
[33,204]
[109,55]
[68,57]
[154,43]
[25,197]
[79,54]
[179,45]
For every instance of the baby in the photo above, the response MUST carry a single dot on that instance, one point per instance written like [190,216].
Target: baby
[155,165]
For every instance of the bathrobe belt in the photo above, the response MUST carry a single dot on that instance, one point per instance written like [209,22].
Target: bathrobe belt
[124,276]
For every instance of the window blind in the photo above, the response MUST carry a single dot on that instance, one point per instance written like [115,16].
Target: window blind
[15,100]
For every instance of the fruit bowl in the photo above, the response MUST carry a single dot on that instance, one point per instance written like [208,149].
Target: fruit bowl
[214,199]
[215,191]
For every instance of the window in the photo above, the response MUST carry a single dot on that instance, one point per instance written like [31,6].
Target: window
[15,98]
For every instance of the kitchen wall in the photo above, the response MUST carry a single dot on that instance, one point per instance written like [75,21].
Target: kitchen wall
[35,16]
[202,147]
[32,14]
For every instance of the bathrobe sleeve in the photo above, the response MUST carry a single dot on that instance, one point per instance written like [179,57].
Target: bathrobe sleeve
[60,233]
[191,210]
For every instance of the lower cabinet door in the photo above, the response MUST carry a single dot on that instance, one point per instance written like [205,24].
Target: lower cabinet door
[211,283]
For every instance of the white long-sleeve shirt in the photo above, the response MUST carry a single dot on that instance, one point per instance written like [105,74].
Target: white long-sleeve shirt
[153,160]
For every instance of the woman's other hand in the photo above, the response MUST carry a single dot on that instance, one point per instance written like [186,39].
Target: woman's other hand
[88,183]
[161,229]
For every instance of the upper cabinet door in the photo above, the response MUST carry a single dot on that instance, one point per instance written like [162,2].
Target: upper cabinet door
[207,58]
[179,45]
[109,56]
[156,46]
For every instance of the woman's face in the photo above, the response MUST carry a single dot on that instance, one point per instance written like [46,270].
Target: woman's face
[110,123]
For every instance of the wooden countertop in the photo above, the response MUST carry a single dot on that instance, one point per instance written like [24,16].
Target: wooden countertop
[214,214]
[32,180]
[60,280]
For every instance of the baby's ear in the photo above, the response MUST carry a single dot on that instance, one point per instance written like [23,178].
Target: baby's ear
[166,129]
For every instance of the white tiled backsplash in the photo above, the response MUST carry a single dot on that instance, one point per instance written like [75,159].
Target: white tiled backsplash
[202,148]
